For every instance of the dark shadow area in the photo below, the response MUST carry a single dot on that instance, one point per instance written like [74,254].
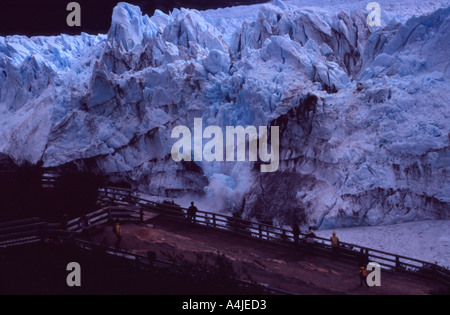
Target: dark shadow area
[46,273]
[29,190]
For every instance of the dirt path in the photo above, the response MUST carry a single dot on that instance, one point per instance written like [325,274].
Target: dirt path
[298,272]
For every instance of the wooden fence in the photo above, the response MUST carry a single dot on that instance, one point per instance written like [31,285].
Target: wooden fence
[34,230]
[20,232]
[279,235]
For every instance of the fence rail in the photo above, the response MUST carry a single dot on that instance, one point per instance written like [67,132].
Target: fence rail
[272,233]
[19,232]
[12,232]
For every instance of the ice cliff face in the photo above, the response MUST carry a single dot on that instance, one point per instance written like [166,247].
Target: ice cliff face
[363,111]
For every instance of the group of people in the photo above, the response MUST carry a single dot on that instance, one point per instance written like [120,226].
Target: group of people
[309,236]
[191,216]
[363,256]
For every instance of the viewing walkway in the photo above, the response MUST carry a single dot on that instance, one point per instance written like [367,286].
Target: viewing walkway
[264,253]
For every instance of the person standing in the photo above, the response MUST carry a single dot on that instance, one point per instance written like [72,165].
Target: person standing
[191,212]
[118,232]
[363,276]
[295,233]
[334,243]
[363,258]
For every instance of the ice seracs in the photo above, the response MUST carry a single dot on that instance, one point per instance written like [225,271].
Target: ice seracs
[362,111]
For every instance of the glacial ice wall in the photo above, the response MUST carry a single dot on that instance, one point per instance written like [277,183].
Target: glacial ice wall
[363,111]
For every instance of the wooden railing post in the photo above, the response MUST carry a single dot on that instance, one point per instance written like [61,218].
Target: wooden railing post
[260,230]
[214,220]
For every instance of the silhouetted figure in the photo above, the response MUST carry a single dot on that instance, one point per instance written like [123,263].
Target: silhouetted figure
[191,212]
[360,258]
[296,233]
[334,244]
[363,258]
[85,226]
[363,276]
[118,232]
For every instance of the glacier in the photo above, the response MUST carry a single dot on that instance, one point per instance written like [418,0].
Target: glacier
[363,111]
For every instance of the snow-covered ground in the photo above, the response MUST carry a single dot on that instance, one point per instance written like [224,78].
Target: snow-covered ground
[425,240]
